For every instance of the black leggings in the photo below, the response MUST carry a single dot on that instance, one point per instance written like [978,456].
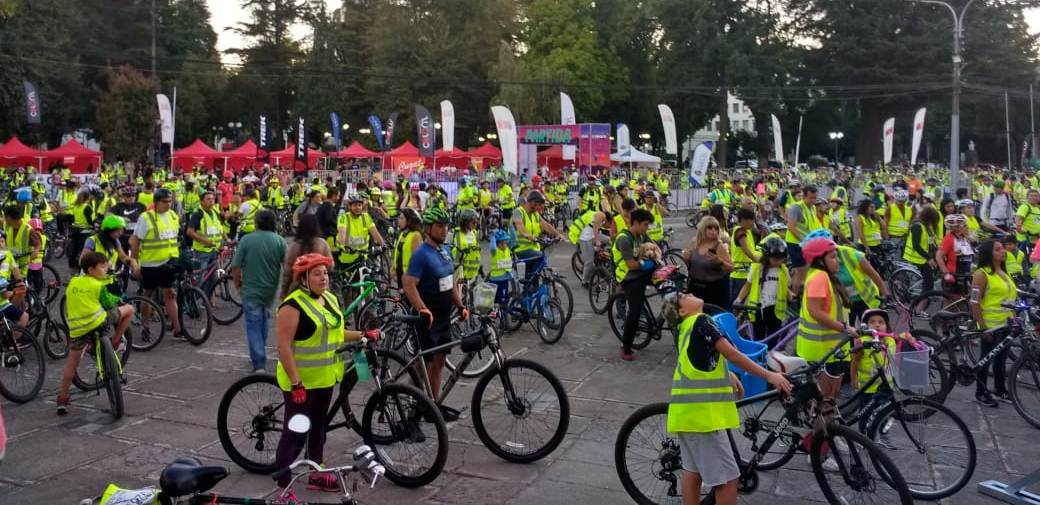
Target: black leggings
[766,324]
[316,408]
[635,296]
[714,292]
[927,277]
[998,364]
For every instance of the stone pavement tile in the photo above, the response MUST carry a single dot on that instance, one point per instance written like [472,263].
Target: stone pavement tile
[590,451]
[244,484]
[189,383]
[71,487]
[578,425]
[587,474]
[796,484]
[21,419]
[167,433]
[599,409]
[566,366]
[54,451]
[476,490]
[617,383]
[387,492]
[554,492]
[200,411]
[1020,455]
[134,404]
[477,461]
[147,461]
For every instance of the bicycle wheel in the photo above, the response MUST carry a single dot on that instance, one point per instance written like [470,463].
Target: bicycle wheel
[51,284]
[226,302]
[406,431]
[526,408]
[512,317]
[758,420]
[113,379]
[196,315]
[1024,384]
[549,321]
[249,422]
[647,457]
[22,366]
[148,323]
[54,335]
[930,302]
[561,291]
[616,315]
[934,450]
[674,257]
[601,288]
[87,374]
[577,265]
[905,284]
[857,457]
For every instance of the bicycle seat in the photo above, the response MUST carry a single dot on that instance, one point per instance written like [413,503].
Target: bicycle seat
[783,363]
[187,476]
[945,315]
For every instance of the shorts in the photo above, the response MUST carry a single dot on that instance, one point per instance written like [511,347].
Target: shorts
[430,338]
[794,252]
[12,313]
[710,455]
[837,368]
[157,277]
[80,342]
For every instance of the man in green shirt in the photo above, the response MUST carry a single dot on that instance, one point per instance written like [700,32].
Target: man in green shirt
[257,270]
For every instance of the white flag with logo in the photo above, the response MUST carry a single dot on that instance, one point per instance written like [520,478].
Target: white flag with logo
[671,146]
[778,141]
[890,132]
[623,138]
[699,163]
[918,133]
[448,125]
[567,116]
[506,126]
[166,119]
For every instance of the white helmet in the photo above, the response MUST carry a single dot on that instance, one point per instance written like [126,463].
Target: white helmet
[778,226]
[955,220]
[965,203]
[901,195]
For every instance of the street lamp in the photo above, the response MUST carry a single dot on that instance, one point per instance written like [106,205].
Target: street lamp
[836,136]
[492,136]
[437,126]
[644,136]
[346,126]
[958,64]
[365,131]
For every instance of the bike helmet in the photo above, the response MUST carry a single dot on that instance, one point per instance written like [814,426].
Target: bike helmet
[113,223]
[774,248]
[965,203]
[901,195]
[536,181]
[879,187]
[955,221]
[535,197]
[778,226]
[468,215]
[817,248]
[817,233]
[36,223]
[435,216]
[411,215]
[867,314]
[388,185]
[309,261]
[126,191]
[162,194]
[23,195]
[355,198]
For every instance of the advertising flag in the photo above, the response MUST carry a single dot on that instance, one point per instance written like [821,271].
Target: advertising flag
[334,118]
[261,145]
[798,144]
[567,116]
[165,119]
[426,134]
[699,163]
[301,142]
[506,126]
[391,125]
[623,139]
[918,133]
[671,146]
[448,125]
[32,103]
[889,131]
[778,140]
[377,130]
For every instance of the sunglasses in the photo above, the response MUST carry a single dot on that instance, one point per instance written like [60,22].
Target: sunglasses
[711,227]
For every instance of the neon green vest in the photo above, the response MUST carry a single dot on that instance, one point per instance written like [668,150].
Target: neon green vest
[316,360]
[533,225]
[161,243]
[83,304]
[701,402]
[813,340]
[209,227]
[357,236]
[574,232]
[754,291]
[999,289]
[741,261]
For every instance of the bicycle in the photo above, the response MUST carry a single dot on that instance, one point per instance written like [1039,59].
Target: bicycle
[216,283]
[904,280]
[149,318]
[194,311]
[397,419]
[106,370]
[651,326]
[855,456]
[53,334]
[529,409]
[533,303]
[22,367]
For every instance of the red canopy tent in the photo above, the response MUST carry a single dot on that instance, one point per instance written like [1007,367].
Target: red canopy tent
[198,153]
[486,151]
[73,155]
[15,153]
[457,158]
[287,158]
[239,157]
[355,151]
[553,158]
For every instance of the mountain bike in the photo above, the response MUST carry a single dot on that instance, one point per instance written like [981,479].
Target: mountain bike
[194,311]
[215,281]
[102,366]
[54,335]
[533,303]
[651,325]
[22,366]
[904,281]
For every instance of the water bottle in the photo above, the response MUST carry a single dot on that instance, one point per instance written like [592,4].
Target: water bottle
[361,366]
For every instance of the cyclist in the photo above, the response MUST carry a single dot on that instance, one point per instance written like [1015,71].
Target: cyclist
[89,306]
[205,231]
[822,317]
[767,286]
[107,243]
[82,225]
[505,198]
[154,245]
[390,200]
[527,219]
[801,219]
[408,240]
[484,198]
[1015,264]
[1027,219]
[24,242]
[742,248]
[920,248]
[35,273]
[467,247]
[432,290]
[955,254]
[898,216]
[841,220]
[632,275]
[247,211]
[991,287]
[467,195]
[869,227]
[501,266]
[354,230]
[587,233]
[650,203]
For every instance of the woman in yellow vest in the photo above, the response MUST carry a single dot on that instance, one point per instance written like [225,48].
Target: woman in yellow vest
[869,227]
[822,316]
[1015,264]
[767,286]
[742,248]
[921,244]
[408,240]
[467,247]
[898,216]
[310,328]
[976,231]
[840,221]
[991,287]
[89,306]
[650,203]
[703,403]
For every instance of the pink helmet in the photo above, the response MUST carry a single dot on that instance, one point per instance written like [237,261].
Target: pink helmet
[36,223]
[816,248]
[388,184]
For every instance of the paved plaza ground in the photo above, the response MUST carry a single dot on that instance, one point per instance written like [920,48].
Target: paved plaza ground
[173,392]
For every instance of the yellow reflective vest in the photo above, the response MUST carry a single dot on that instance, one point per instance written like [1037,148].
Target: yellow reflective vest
[701,401]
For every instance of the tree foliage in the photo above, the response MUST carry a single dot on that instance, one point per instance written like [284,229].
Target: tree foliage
[126,115]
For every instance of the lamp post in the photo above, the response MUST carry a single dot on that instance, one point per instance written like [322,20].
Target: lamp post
[958,64]
[836,136]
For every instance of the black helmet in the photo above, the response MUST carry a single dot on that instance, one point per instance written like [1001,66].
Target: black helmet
[774,247]
[535,197]
[411,215]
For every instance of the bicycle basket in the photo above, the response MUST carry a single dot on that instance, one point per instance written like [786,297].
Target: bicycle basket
[484,296]
[910,370]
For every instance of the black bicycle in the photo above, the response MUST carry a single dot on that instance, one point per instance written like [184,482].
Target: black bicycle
[22,366]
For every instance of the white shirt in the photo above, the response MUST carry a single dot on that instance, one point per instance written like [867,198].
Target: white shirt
[767,297]
[998,209]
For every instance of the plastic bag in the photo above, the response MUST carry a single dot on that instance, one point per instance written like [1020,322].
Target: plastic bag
[115,495]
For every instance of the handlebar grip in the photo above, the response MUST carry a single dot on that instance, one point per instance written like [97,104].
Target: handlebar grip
[406,318]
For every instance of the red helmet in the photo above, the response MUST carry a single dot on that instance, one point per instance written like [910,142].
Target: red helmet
[817,247]
[536,181]
[308,261]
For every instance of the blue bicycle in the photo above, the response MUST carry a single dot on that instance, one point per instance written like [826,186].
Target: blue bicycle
[534,303]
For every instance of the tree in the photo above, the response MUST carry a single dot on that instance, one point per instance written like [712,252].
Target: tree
[127,115]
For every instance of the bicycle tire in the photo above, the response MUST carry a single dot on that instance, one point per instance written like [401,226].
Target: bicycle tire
[481,424]
[644,328]
[549,321]
[877,459]
[86,378]
[902,282]
[53,336]
[227,303]
[662,462]
[577,265]
[561,291]
[752,424]
[113,380]
[193,306]
[59,252]
[149,334]
[601,288]
[512,315]
[418,409]
[51,284]
[28,351]
[1028,361]
[674,257]
[951,433]
[933,301]
[263,425]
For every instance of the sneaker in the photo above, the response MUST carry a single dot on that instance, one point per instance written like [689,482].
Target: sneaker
[122,347]
[627,355]
[286,496]
[259,370]
[63,405]
[1002,396]
[985,399]
[327,482]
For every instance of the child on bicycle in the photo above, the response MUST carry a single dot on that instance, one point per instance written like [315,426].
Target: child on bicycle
[89,306]
[501,266]
[703,404]
[767,286]
[12,287]
[866,362]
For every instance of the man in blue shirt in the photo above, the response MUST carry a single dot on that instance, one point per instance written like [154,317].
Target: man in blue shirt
[433,292]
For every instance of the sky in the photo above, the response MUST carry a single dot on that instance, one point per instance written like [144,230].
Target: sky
[227,13]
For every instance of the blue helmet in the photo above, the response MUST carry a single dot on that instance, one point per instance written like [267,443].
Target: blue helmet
[23,195]
[817,233]
[500,235]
